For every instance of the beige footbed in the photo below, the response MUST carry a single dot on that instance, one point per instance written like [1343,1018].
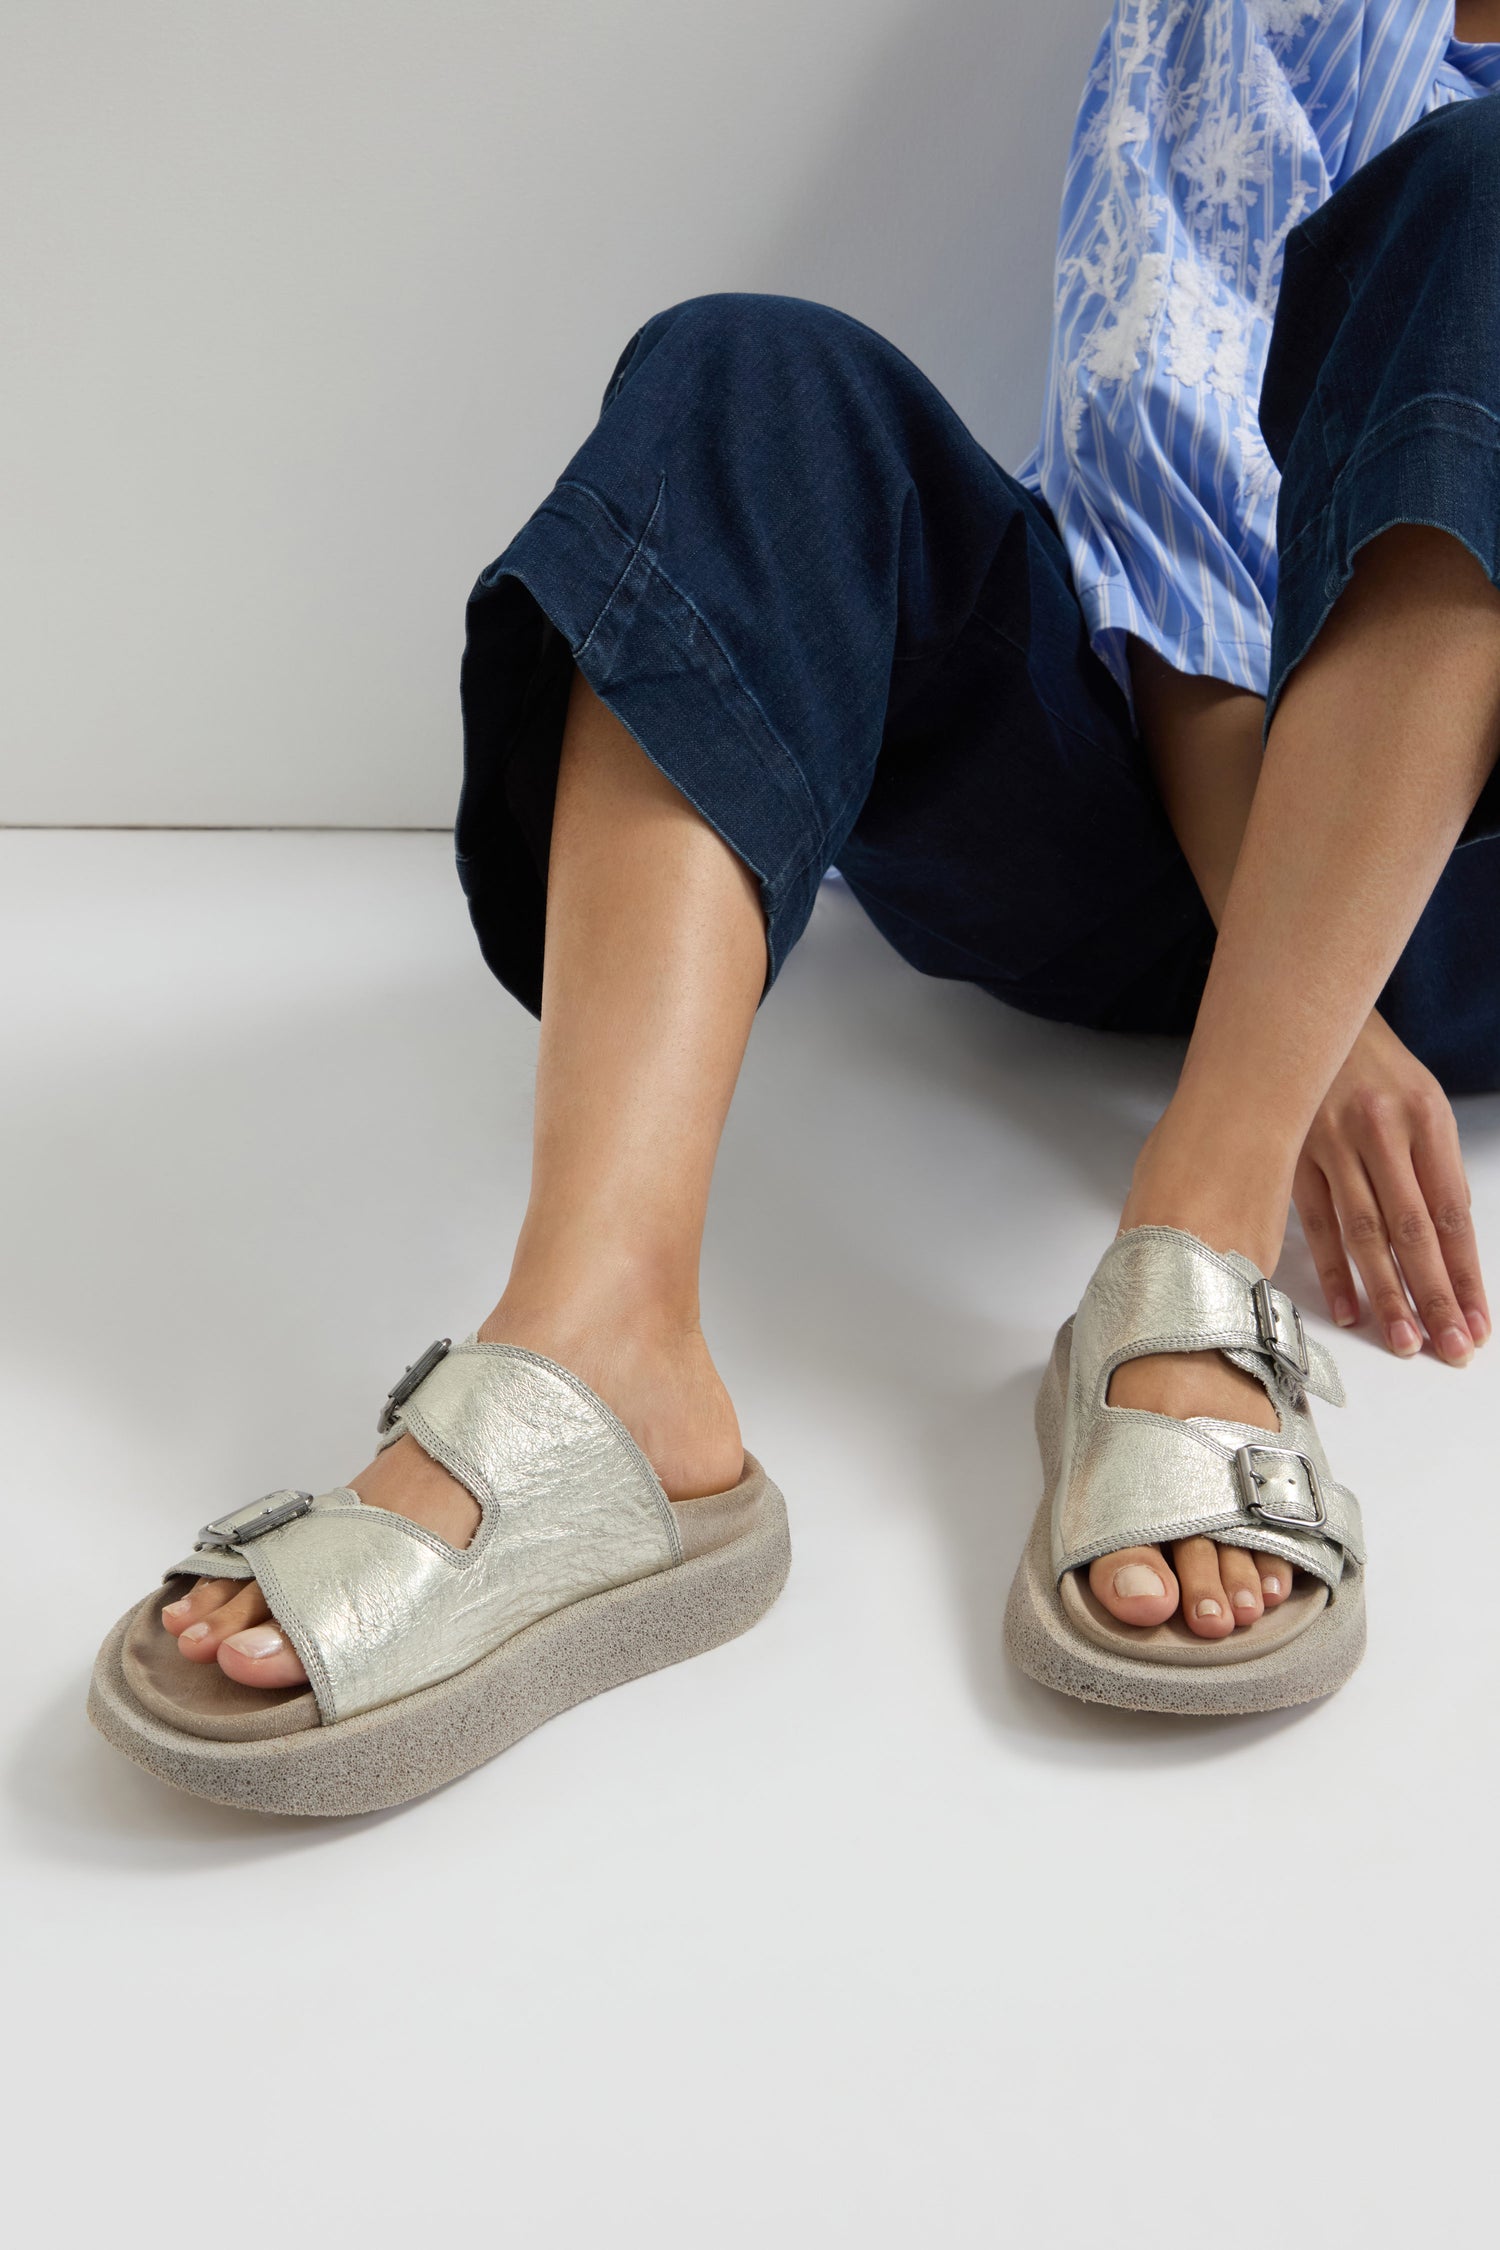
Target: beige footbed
[1063,1636]
[266,1749]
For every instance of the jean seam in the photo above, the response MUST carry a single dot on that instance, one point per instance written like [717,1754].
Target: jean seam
[804,799]
[1374,443]
[629,563]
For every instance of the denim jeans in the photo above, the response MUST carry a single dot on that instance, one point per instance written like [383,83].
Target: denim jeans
[851,639]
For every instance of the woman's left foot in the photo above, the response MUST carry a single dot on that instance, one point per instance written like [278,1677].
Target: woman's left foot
[1217,1588]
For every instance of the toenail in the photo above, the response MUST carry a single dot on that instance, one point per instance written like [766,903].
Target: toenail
[257,1641]
[1136,1581]
[1244,1599]
[173,1609]
[1208,1608]
[1346,1312]
[1455,1345]
[1271,1585]
[1479,1327]
[196,1633]
[1404,1338]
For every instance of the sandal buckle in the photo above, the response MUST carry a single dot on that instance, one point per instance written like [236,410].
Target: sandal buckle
[1262,1465]
[418,1372]
[1288,1347]
[280,1508]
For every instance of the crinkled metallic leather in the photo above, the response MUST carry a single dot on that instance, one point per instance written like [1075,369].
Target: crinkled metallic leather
[1129,1478]
[376,1607]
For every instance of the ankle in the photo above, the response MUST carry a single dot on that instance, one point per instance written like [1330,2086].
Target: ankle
[1231,1198]
[593,1324]
[595,1287]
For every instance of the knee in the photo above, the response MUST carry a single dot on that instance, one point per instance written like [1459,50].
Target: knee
[1457,174]
[743,336]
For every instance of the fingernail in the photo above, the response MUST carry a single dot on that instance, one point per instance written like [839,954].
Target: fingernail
[1345,1312]
[1455,1347]
[1479,1327]
[1136,1581]
[1208,1608]
[196,1633]
[1271,1585]
[1244,1599]
[257,1641]
[1403,1338]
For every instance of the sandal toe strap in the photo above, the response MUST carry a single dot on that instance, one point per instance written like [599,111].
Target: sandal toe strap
[377,1607]
[1144,1480]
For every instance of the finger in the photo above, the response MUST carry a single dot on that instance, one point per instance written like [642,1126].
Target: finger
[1320,1225]
[1412,1235]
[1275,1579]
[1439,1165]
[1369,1245]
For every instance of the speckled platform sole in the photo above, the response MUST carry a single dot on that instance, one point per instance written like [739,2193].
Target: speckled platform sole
[402,1750]
[1048,1644]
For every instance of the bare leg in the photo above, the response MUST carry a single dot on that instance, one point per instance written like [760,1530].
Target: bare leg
[1380,747]
[655,962]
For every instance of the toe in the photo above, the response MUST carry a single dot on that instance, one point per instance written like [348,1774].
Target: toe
[1205,1605]
[262,1657]
[198,1602]
[1275,1579]
[1241,1582]
[201,1640]
[1135,1585]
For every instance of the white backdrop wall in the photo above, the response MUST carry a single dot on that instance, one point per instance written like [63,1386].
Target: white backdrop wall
[305,306]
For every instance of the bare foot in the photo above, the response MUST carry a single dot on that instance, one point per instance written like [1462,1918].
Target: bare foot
[665,1389]
[1219,1588]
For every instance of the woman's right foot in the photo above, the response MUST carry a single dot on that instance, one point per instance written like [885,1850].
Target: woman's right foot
[663,1386]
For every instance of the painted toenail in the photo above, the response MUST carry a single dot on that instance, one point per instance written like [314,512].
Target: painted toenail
[1455,1346]
[1208,1608]
[1244,1599]
[196,1633]
[1271,1585]
[257,1641]
[1404,1338]
[1136,1582]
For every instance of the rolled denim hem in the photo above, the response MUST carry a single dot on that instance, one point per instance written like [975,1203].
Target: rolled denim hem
[653,659]
[1436,461]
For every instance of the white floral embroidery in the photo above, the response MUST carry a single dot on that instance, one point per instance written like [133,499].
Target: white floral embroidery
[1209,130]
[1224,115]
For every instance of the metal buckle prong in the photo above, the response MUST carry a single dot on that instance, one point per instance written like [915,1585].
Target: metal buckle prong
[1269,1322]
[225,1532]
[1251,1483]
[418,1372]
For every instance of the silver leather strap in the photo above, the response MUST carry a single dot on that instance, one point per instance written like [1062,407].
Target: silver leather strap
[1161,1290]
[1138,1480]
[376,1607]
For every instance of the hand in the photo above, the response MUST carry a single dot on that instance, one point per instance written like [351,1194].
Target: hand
[1381,1180]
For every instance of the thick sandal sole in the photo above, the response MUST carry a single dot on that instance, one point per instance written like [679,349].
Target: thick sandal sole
[1043,1640]
[405,1749]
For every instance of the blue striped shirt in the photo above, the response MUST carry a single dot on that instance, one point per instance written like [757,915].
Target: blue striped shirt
[1208,129]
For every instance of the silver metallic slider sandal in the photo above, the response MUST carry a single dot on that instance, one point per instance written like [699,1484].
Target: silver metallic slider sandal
[1118,1477]
[424,1660]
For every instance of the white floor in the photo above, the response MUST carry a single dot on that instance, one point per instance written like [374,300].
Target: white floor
[844,1934]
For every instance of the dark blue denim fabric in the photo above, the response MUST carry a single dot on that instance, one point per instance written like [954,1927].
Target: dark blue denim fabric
[851,639]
